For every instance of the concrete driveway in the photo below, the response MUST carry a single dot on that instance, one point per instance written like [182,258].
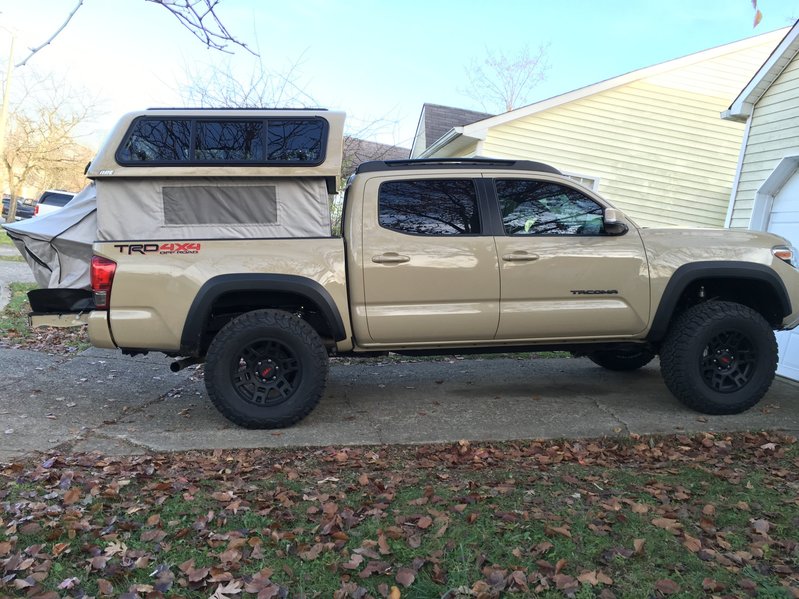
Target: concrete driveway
[101,400]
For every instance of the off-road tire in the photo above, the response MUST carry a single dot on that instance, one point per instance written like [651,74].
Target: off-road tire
[266,369]
[719,358]
[622,360]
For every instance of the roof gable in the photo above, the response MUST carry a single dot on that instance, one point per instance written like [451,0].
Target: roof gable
[781,57]
[478,130]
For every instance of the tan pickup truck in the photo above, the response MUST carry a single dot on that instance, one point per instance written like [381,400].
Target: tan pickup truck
[213,243]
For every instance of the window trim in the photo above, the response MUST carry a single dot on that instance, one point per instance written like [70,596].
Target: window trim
[480,203]
[500,230]
[193,120]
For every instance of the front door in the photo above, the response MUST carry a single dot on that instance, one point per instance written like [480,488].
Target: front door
[430,274]
[562,276]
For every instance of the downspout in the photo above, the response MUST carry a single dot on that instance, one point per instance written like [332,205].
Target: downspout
[737,179]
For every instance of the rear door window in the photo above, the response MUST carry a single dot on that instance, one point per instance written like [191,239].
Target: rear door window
[429,207]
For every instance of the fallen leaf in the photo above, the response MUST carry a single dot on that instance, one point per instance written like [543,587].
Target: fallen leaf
[710,585]
[405,576]
[667,523]
[561,530]
[105,587]
[565,582]
[692,544]
[355,562]
[667,586]
[69,583]
[71,496]
[761,526]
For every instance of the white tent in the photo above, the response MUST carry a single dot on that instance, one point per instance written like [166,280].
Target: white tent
[58,245]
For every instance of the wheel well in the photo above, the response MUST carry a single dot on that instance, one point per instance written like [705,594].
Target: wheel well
[229,305]
[756,294]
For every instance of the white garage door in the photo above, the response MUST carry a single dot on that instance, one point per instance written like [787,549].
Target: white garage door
[784,221]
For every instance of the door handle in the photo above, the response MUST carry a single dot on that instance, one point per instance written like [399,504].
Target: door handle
[390,258]
[520,257]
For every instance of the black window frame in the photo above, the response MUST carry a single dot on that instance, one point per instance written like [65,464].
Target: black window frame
[482,205]
[209,118]
[500,226]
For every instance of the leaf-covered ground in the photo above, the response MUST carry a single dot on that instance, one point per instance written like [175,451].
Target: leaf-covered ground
[15,332]
[702,516]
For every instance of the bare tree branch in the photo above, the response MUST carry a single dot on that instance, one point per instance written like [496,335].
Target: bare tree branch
[503,82]
[200,18]
[52,37]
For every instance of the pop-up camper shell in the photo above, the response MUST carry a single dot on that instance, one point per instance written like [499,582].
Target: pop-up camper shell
[168,175]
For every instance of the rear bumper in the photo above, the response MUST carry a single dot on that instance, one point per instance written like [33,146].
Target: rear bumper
[99,330]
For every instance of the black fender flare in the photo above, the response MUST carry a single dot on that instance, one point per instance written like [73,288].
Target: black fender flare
[212,289]
[689,273]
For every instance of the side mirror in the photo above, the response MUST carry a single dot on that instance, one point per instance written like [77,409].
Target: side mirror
[613,223]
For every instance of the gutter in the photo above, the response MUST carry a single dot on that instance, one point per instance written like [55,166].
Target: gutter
[455,139]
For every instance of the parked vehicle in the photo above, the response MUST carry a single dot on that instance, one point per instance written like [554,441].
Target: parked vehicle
[52,200]
[25,208]
[213,244]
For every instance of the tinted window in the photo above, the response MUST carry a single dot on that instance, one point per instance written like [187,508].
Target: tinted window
[429,207]
[231,141]
[55,199]
[234,141]
[544,208]
[295,140]
[157,141]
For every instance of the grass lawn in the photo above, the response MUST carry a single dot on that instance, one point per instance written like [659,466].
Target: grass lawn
[4,238]
[702,516]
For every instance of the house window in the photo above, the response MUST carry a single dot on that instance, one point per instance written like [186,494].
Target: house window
[545,208]
[591,183]
[429,207]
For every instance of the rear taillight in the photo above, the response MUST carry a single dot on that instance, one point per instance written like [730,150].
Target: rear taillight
[102,275]
[36,210]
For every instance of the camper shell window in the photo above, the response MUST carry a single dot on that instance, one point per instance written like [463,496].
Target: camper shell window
[224,141]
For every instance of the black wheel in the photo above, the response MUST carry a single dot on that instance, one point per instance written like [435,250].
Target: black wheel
[622,359]
[719,358]
[266,369]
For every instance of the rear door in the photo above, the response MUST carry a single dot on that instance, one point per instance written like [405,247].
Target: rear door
[430,272]
[562,276]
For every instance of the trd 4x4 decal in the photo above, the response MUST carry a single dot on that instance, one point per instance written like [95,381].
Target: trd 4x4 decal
[172,247]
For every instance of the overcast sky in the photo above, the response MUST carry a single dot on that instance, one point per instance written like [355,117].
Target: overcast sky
[377,61]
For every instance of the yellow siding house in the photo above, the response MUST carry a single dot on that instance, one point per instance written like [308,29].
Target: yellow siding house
[650,141]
